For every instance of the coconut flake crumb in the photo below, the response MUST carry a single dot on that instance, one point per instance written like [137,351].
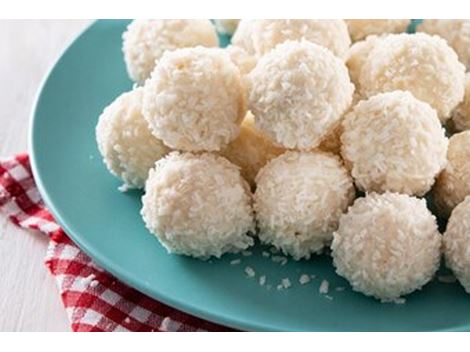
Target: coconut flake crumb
[447,279]
[127,320]
[250,272]
[328,297]
[286,283]
[235,262]
[304,279]
[399,300]
[279,259]
[124,188]
[262,280]
[340,288]
[324,287]
[87,280]
[313,276]
[247,253]
[94,283]
[265,254]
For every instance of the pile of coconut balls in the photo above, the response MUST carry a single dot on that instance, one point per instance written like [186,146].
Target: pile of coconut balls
[306,134]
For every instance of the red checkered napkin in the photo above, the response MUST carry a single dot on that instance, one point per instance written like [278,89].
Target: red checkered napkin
[94,299]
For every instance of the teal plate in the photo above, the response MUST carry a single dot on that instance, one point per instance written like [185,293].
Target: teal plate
[106,223]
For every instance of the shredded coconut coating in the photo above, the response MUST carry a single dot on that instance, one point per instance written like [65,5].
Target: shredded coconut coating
[195,100]
[251,150]
[422,64]
[387,245]
[243,60]
[226,26]
[298,201]
[198,205]
[457,243]
[332,34]
[356,58]
[461,114]
[456,32]
[145,41]
[453,183]
[125,142]
[360,29]
[394,142]
[298,93]
[243,36]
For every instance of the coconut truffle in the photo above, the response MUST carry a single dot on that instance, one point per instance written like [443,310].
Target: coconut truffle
[226,26]
[457,243]
[195,100]
[251,150]
[453,184]
[356,57]
[461,115]
[424,65]
[360,29]
[332,34]
[243,36]
[299,199]
[387,245]
[198,205]
[125,142]
[145,41]
[456,32]
[298,93]
[394,142]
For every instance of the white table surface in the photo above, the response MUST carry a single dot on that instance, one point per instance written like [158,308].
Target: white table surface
[29,299]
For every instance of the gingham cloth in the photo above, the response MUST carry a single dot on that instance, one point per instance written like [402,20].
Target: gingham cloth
[93,299]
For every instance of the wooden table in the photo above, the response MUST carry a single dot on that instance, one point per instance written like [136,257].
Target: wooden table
[29,299]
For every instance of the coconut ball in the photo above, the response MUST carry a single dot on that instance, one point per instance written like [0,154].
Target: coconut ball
[298,93]
[424,65]
[457,243]
[195,99]
[456,32]
[299,199]
[226,26]
[360,29]
[461,115]
[387,245]
[198,205]
[124,140]
[243,60]
[356,57]
[394,142]
[332,34]
[242,37]
[453,184]
[145,41]
[251,150]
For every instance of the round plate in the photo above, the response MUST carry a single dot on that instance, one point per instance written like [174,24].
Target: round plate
[106,223]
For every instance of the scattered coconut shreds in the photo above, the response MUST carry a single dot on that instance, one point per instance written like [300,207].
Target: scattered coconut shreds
[328,297]
[279,287]
[286,283]
[447,279]
[274,250]
[262,280]
[127,320]
[265,254]
[324,287]
[94,283]
[235,262]
[340,288]
[250,272]
[304,279]
[247,253]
